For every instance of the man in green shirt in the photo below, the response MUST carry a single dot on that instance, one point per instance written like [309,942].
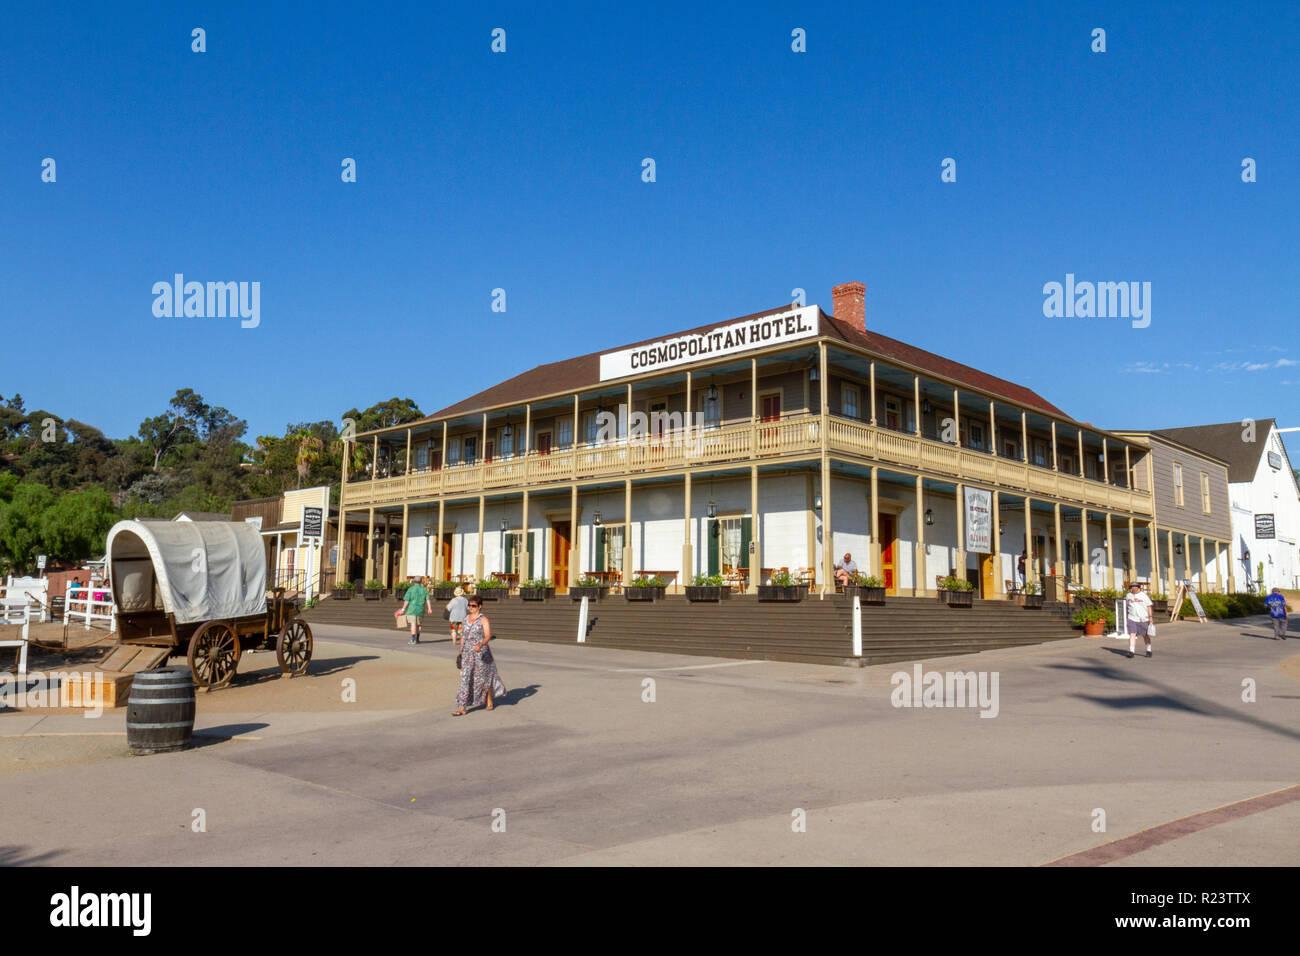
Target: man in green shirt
[417,596]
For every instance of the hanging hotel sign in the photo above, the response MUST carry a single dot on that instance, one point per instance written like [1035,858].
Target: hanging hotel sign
[724,340]
[313,520]
[979,520]
[1275,461]
[1263,527]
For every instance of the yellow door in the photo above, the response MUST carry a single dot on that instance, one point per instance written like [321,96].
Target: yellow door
[988,580]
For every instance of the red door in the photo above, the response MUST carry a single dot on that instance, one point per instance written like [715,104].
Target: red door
[770,406]
[887,549]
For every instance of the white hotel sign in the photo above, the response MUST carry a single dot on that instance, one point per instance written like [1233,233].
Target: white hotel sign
[724,340]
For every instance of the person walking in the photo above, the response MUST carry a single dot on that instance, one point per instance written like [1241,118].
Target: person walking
[479,680]
[457,609]
[1137,608]
[415,599]
[1276,602]
[1020,568]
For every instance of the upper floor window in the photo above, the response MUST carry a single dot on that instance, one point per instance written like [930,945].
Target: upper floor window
[422,457]
[591,427]
[453,453]
[1205,493]
[507,443]
[564,432]
[1040,453]
[1178,485]
[849,400]
[711,406]
[471,449]
[893,413]
[975,432]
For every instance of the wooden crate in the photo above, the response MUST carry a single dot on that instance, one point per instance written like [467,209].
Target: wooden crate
[114,691]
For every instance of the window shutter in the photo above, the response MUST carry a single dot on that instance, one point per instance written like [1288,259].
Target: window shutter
[746,535]
[714,532]
[600,563]
[510,552]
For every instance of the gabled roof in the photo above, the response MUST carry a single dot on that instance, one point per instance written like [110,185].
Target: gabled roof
[583,371]
[1225,443]
[200,516]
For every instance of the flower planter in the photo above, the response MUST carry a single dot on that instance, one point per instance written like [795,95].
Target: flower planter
[342,594]
[868,595]
[537,594]
[778,592]
[647,593]
[492,594]
[1094,628]
[373,594]
[1160,607]
[1033,601]
[957,598]
[443,594]
[595,593]
[699,593]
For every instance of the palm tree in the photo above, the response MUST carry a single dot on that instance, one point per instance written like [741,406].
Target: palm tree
[309,449]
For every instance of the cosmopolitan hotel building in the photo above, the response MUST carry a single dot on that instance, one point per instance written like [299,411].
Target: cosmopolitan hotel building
[782,439]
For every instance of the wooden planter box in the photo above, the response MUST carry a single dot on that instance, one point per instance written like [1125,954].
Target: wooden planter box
[373,594]
[645,593]
[778,592]
[707,592]
[595,593]
[492,594]
[868,595]
[1033,601]
[957,598]
[342,594]
[443,594]
[537,594]
[1160,607]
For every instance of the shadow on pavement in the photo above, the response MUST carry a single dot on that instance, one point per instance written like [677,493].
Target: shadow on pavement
[19,856]
[217,735]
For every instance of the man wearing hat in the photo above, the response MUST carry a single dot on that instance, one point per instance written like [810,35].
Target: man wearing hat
[457,609]
[1137,607]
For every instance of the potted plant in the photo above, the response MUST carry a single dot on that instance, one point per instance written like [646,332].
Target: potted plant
[588,587]
[646,589]
[442,590]
[1159,603]
[1086,597]
[537,589]
[399,590]
[707,587]
[780,587]
[374,589]
[1094,620]
[491,590]
[343,591]
[870,589]
[956,592]
[1033,596]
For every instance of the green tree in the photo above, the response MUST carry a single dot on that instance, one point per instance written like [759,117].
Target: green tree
[20,525]
[75,526]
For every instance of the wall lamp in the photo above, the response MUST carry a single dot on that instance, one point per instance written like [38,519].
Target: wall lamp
[713,509]
[929,516]
[595,518]
[817,502]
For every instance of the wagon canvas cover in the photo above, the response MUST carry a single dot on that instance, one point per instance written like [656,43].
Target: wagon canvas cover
[205,570]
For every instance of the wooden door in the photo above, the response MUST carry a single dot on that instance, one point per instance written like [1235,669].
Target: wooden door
[770,410]
[560,532]
[446,556]
[543,443]
[988,576]
[888,549]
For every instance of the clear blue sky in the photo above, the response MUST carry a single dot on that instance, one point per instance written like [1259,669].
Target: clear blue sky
[775,170]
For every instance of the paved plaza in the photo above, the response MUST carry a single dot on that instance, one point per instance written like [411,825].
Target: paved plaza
[733,762]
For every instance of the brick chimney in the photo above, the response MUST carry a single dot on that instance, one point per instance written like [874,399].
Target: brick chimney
[850,303]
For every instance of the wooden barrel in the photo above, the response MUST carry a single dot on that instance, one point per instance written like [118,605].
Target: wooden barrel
[160,711]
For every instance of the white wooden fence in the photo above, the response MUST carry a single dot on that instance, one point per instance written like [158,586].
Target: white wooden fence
[89,603]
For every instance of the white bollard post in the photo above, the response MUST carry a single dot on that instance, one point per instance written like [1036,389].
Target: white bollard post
[582,621]
[857,626]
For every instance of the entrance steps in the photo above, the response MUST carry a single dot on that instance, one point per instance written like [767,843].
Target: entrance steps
[811,631]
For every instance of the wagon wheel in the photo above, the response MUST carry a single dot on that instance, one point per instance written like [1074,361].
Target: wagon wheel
[293,649]
[214,654]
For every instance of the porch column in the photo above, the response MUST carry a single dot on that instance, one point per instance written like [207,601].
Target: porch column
[1054,449]
[525,568]
[756,524]
[995,535]
[688,554]
[340,568]
[1058,567]
[753,406]
[687,430]
[918,577]
[1173,568]
[478,559]
[873,552]
[993,434]
[956,418]
[408,452]
[1079,434]
[916,404]
[959,501]
[442,452]
[1132,549]
[440,571]
[1086,574]
[1204,580]
[627,527]
[1110,546]
[1105,461]
[1031,573]
[828,543]
[406,515]
[374,467]
[1232,572]
[574,463]
[370,547]
[528,427]
[1153,545]
[873,394]
[1128,469]
[575,551]
[1218,568]
[1024,439]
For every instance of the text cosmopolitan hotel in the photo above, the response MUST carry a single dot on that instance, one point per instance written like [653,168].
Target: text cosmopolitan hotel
[752,444]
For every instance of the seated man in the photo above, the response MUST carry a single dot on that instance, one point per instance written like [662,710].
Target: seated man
[844,570]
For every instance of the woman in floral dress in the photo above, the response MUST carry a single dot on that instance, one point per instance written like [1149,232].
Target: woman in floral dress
[479,680]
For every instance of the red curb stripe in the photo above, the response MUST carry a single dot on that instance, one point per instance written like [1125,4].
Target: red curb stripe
[1167,832]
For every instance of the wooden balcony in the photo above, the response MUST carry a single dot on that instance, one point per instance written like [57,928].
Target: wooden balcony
[795,437]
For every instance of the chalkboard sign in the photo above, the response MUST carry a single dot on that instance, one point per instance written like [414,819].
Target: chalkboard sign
[313,520]
[1263,527]
[1196,603]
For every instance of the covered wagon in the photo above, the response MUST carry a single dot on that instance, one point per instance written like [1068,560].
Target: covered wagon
[199,588]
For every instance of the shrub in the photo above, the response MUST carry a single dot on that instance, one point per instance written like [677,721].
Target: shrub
[871,581]
[707,581]
[486,585]
[651,582]
[782,579]
[1158,597]
[1088,615]
[537,583]
[1032,587]
[588,582]
[442,584]
[344,586]
[951,583]
[374,584]
[1111,594]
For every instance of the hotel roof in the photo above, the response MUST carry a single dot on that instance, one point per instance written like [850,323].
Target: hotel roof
[583,372]
[1225,443]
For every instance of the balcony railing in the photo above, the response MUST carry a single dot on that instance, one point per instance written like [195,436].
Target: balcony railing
[799,436]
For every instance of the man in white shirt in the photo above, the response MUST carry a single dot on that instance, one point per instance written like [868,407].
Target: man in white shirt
[844,570]
[1137,607]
